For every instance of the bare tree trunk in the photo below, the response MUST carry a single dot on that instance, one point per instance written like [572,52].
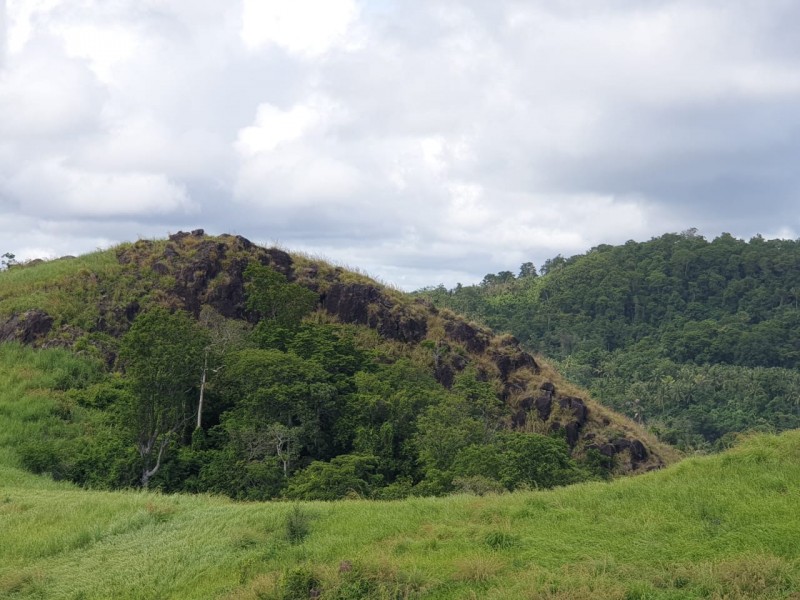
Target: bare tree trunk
[202,391]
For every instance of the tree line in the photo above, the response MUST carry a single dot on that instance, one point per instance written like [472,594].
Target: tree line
[639,324]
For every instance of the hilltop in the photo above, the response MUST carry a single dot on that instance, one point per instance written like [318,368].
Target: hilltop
[318,381]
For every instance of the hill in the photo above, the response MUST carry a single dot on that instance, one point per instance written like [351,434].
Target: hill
[696,339]
[213,364]
[724,526]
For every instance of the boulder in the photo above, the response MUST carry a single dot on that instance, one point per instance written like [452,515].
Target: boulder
[26,328]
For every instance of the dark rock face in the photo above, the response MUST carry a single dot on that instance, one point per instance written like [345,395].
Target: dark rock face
[576,406]
[635,447]
[638,450]
[544,406]
[206,271]
[444,374]
[544,403]
[351,302]
[26,328]
[580,413]
[366,305]
[474,340]
[519,418]
[509,361]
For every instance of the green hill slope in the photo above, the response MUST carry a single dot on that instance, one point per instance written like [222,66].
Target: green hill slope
[210,364]
[694,338]
[716,527]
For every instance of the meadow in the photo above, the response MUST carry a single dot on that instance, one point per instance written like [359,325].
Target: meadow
[723,526]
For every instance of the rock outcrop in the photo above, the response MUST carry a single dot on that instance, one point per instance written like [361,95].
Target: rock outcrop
[30,327]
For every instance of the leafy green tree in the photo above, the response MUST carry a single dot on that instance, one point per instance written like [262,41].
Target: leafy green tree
[280,305]
[344,475]
[162,354]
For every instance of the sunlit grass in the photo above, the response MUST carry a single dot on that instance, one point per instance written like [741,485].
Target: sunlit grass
[725,526]
[64,288]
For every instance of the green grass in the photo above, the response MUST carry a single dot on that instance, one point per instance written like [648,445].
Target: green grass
[725,526]
[67,289]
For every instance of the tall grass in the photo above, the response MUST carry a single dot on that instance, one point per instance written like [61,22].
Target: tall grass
[65,288]
[725,526]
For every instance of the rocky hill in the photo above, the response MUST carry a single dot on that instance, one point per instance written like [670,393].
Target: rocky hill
[87,303]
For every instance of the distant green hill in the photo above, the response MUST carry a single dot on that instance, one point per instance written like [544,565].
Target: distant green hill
[210,364]
[725,526]
[694,338]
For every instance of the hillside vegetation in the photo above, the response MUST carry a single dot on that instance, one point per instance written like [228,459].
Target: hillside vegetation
[716,527]
[210,364]
[694,338]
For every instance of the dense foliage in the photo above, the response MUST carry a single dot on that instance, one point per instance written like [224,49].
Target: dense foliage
[697,338]
[295,405]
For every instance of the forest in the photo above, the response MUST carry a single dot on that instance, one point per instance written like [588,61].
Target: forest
[696,339]
[281,399]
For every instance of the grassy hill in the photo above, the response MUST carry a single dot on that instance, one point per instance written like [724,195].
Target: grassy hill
[724,526]
[316,382]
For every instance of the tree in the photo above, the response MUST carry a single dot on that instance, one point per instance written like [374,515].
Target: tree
[527,269]
[162,354]
[275,299]
[7,260]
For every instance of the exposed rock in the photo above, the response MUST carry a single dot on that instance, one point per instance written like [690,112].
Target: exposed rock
[576,406]
[573,431]
[519,418]
[638,450]
[474,340]
[351,302]
[366,305]
[193,279]
[459,362]
[177,237]
[279,260]
[635,447]
[512,359]
[160,268]
[607,450]
[444,374]
[544,406]
[548,387]
[621,444]
[26,328]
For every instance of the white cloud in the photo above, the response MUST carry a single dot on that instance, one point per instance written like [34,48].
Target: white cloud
[45,94]
[274,126]
[51,190]
[424,141]
[304,27]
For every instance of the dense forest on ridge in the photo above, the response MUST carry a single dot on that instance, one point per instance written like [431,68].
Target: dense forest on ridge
[697,339]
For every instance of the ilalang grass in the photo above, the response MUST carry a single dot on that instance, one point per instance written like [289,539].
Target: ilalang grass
[725,526]
[65,288]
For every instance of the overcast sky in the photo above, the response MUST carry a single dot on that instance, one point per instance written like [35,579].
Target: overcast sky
[423,141]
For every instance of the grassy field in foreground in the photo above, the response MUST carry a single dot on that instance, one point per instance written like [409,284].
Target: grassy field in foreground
[725,526]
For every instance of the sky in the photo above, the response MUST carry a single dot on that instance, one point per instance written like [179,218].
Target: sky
[422,141]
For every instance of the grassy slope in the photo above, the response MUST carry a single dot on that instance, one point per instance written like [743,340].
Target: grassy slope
[717,527]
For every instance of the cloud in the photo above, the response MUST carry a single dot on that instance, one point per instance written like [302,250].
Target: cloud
[422,141]
[52,190]
[305,27]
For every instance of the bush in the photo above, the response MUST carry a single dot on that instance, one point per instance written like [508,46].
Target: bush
[298,524]
[299,584]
